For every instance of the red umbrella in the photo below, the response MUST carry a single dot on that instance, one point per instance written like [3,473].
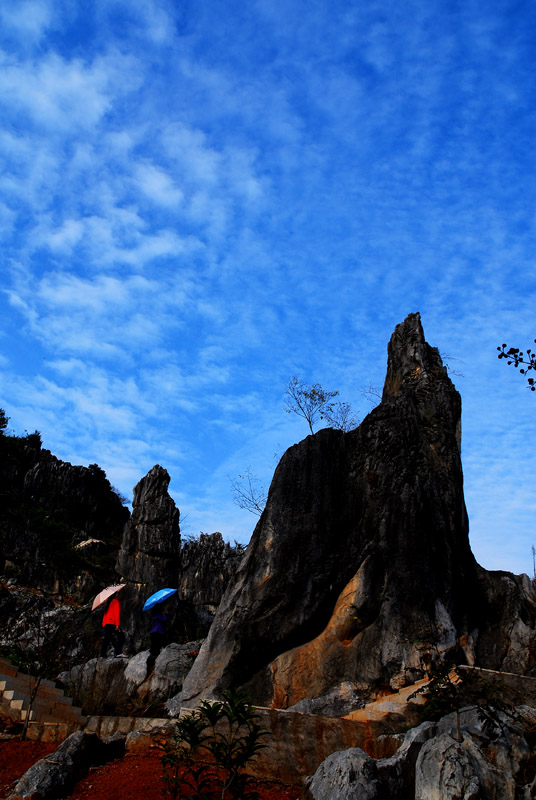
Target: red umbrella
[103,596]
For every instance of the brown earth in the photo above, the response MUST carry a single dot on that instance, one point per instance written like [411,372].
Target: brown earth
[134,777]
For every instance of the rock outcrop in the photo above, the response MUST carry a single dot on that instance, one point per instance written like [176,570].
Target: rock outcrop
[149,558]
[61,528]
[123,687]
[454,758]
[360,568]
[151,546]
[208,566]
[55,775]
[47,508]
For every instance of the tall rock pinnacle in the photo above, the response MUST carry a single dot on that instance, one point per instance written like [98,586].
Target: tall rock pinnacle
[151,546]
[150,554]
[359,569]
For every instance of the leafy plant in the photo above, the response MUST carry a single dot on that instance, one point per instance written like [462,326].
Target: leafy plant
[210,749]
[184,774]
[516,357]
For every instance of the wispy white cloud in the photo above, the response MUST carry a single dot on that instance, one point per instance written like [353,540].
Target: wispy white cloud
[28,19]
[158,185]
[104,316]
[57,94]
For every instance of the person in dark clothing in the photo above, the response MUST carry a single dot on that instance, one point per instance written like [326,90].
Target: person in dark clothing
[158,637]
[158,632]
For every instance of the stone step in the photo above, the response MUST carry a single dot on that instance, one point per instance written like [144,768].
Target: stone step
[24,685]
[45,712]
[11,694]
[11,687]
[50,703]
[28,680]
[62,704]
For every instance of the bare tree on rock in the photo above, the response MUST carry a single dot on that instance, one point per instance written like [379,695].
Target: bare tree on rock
[249,492]
[314,403]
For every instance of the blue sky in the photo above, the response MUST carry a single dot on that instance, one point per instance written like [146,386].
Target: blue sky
[199,200]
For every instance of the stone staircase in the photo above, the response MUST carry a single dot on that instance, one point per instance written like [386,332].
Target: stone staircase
[50,707]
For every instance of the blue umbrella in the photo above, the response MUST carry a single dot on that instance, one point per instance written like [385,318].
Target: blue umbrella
[158,597]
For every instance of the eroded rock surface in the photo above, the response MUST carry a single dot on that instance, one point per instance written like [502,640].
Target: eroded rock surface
[47,508]
[349,774]
[55,775]
[360,568]
[124,686]
[150,550]
[208,566]
[478,759]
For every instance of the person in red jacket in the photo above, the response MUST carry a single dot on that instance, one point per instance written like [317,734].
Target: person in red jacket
[111,631]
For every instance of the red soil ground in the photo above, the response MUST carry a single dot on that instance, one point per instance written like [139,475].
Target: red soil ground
[15,758]
[134,777]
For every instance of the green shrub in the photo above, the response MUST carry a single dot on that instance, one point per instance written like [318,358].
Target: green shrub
[210,748]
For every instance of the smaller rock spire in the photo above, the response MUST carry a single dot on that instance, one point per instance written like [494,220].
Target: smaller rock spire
[410,358]
[151,546]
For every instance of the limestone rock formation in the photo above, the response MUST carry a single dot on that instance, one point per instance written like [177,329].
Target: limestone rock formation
[360,568]
[40,628]
[149,558]
[49,506]
[122,686]
[55,775]
[446,766]
[150,550]
[339,702]
[489,758]
[60,532]
[208,565]
[349,774]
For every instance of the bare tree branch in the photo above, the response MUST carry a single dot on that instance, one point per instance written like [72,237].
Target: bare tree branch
[249,492]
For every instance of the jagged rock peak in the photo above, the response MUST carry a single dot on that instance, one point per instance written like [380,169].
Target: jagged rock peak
[411,360]
[153,487]
[150,551]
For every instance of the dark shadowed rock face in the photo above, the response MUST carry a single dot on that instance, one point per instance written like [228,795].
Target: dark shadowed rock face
[47,508]
[360,568]
[208,566]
